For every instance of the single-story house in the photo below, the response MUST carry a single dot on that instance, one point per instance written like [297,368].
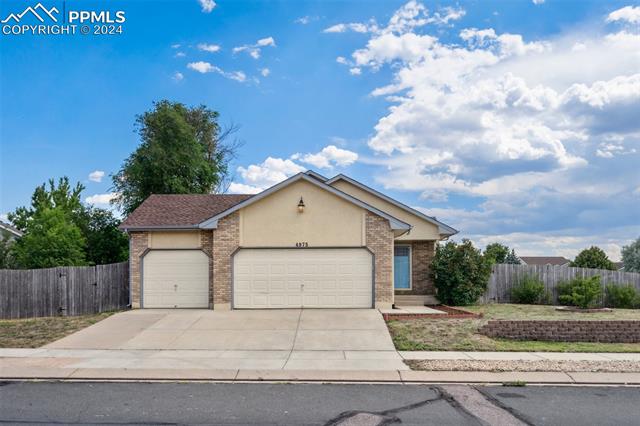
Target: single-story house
[545,260]
[308,241]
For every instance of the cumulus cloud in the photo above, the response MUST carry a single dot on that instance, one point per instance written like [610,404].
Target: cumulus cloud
[328,157]
[537,2]
[205,47]
[100,199]
[630,14]
[207,5]
[268,173]
[96,176]
[526,132]
[205,67]
[255,50]
[178,76]
[265,72]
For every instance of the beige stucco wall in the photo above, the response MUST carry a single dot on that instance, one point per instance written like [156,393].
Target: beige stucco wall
[422,230]
[174,240]
[327,220]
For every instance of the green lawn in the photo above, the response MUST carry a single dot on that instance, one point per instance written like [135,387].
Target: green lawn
[461,334]
[36,332]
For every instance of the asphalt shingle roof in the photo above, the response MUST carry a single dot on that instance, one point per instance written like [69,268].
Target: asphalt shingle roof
[544,260]
[179,210]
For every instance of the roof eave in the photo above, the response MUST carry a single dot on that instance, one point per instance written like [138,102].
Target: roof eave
[158,228]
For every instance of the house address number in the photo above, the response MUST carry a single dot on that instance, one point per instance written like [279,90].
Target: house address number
[302,244]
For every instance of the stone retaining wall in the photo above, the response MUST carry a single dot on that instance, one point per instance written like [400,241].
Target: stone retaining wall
[565,331]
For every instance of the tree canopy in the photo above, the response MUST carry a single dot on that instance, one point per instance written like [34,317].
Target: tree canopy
[500,253]
[631,256]
[181,152]
[593,257]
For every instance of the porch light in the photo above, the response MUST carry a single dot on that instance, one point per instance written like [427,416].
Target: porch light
[301,206]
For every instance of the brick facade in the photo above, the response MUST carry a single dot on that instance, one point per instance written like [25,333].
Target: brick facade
[565,331]
[422,253]
[226,239]
[379,237]
[139,244]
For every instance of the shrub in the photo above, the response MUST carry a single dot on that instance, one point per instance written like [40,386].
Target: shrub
[529,290]
[622,296]
[460,273]
[581,292]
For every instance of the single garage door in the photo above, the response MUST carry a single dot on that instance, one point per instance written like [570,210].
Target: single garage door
[309,278]
[175,279]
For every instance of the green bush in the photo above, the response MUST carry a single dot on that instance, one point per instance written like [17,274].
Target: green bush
[530,291]
[460,273]
[581,292]
[622,296]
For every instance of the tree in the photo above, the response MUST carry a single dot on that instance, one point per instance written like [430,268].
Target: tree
[182,151]
[6,254]
[497,252]
[631,256]
[460,273]
[105,242]
[512,258]
[102,241]
[593,257]
[50,239]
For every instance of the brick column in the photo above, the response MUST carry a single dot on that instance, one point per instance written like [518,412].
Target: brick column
[379,238]
[206,244]
[139,242]
[226,239]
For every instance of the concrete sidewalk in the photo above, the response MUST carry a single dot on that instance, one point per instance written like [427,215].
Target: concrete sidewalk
[519,356]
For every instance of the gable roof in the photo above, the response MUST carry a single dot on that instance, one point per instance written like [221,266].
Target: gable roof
[396,224]
[443,228]
[10,229]
[178,211]
[544,260]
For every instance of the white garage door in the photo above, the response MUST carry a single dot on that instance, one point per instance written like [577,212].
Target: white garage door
[309,278]
[175,279]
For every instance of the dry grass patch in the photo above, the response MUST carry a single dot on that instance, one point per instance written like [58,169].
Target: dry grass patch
[36,332]
[426,334]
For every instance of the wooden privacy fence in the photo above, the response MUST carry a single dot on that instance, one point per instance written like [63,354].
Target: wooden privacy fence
[68,290]
[505,276]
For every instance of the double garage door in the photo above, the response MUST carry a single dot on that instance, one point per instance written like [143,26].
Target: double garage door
[262,278]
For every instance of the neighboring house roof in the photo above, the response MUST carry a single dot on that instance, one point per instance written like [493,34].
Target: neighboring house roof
[11,229]
[619,266]
[169,211]
[443,229]
[544,260]
[395,223]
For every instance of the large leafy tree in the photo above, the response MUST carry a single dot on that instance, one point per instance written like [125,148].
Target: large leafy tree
[50,239]
[593,257]
[631,256]
[500,253]
[182,151]
[60,204]
[460,273]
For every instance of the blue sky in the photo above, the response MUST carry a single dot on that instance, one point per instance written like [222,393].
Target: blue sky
[513,121]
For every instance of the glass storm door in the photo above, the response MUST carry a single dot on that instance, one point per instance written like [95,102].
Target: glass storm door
[402,267]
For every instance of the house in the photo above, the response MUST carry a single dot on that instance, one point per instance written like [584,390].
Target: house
[545,260]
[618,266]
[308,241]
[9,231]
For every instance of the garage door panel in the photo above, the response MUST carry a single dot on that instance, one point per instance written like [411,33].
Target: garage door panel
[282,278]
[175,279]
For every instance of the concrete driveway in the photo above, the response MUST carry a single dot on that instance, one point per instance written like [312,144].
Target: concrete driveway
[291,339]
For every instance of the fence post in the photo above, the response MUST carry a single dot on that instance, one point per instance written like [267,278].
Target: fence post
[63,291]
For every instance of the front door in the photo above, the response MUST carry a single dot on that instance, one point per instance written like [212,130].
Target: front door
[402,267]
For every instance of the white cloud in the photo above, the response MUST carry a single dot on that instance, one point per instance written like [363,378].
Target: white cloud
[4,217]
[206,67]
[255,50]
[180,55]
[201,67]
[178,76]
[355,71]
[100,199]
[265,72]
[205,47]
[176,46]
[96,176]
[537,2]
[630,14]
[341,28]
[304,20]
[539,136]
[207,5]
[268,173]
[342,60]
[328,157]
[241,188]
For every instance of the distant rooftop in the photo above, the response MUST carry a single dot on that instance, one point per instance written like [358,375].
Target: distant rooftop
[544,260]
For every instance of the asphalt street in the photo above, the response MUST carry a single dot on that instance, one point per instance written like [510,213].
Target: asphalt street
[313,404]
